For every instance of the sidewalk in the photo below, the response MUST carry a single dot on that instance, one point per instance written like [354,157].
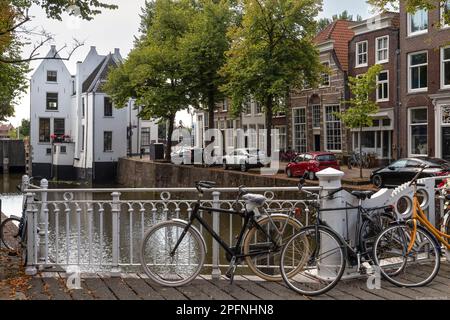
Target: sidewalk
[13,281]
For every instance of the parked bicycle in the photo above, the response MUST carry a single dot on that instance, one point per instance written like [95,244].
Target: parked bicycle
[173,252]
[319,254]
[13,231]
[409,253]
[357,160]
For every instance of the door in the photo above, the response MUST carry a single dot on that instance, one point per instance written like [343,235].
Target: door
[446,143]
[316,142]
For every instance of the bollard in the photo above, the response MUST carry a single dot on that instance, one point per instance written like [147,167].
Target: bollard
[215,274]
[115,209]
[43,225]
[330,180]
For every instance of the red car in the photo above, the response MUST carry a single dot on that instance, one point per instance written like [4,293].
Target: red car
[310,163]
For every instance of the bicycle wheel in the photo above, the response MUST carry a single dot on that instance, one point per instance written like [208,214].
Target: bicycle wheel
[279,228]
[370,231]
[400,267]
[10,235]
[318,255]
[167,268]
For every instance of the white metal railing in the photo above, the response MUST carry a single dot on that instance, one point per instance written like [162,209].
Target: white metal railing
[101,229]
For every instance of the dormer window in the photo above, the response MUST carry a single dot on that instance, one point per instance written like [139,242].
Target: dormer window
[52,76]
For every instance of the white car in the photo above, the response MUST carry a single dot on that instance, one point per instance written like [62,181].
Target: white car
[243,159]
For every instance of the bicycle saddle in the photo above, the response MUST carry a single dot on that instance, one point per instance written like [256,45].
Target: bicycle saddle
[205,184]
[362,195]
[254,199]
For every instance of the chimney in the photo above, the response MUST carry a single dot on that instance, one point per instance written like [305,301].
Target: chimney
[116,51]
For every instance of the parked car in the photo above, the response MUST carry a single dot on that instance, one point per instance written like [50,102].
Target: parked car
[404,170]
[244,159]
[310,163]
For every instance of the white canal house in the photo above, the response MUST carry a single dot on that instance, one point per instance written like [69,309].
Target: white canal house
[76,132]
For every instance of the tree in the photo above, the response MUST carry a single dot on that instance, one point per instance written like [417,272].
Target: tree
[25,128]
[14,35]
[362,107]
[12,134]
[414,5]
[324,22]
[272,51]
[153,73]
[204,47]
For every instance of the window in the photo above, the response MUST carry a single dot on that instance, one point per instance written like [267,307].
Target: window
[82,138]
[145,137]
[83,106]
[325,76]
[44,130]
[63,149]
[258,108]
[418,22]
[418,69]
[445,67]
[418,131]
[58,127]
[108,107]
[299,127]
[107,141]
[445,13]
[399,164]
[52,101]
[225,105]
[282,137]
[386,122]
[48,151]
[247,107]
[361,54]
[316,116]
[332,129]
[52,76]
[383,86]
[382,49]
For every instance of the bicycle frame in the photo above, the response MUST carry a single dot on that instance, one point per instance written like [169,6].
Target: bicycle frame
[249,220]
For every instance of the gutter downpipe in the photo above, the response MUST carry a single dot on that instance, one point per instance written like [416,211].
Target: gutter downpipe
[398,102]
[93,135]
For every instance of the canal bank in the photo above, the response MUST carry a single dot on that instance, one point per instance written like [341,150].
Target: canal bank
[139,173]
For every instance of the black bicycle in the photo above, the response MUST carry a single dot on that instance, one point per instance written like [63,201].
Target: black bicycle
[173,252]
[319,254]
[13,231]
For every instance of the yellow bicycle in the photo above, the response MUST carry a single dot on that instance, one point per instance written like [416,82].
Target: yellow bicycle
[409,253]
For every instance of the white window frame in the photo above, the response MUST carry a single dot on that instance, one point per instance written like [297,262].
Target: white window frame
[409,25]
[410,154]
[293,129]
[441,15]
[443,85]
[382,82]
[410,90]
[377,49]
[325,74]
[325,128]
[357,53]
[225,105]
[314,109]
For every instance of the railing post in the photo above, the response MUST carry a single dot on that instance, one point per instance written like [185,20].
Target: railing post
[43,224]
[215,246]
[25,183]
[115,207]
[31,234]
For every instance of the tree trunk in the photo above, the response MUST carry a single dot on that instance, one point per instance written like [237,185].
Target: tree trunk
[170,128]
[269,116]
[360,153]
[211,107]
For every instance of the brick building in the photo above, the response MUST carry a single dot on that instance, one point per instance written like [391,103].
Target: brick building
[424,120]
[311,121]
[376,41]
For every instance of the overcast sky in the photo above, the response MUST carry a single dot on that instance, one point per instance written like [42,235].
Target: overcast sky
[116,29]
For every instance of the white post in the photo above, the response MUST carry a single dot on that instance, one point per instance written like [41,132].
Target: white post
[215,246]
[31,233]
[43,224]
[330,180]
[115,233]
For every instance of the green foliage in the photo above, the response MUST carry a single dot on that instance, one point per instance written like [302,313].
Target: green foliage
[12,134]
[361,107]
[324,22]
[272,51]
[414,5]
[24,128]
